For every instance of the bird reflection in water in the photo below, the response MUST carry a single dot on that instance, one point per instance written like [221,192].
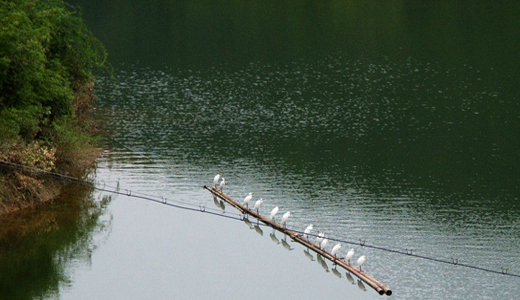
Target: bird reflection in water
[247,199]
[286,245]
[308,254]
[350,278]
[274,238]
[258,203]
[220,204]
[248,223]
[361,286]
[336,272]
[322,263]
[259,230]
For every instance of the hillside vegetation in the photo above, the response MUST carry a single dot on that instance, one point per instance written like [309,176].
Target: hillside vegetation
[47,56]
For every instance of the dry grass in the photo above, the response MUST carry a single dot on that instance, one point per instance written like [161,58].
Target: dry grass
[72,151]
[19,191]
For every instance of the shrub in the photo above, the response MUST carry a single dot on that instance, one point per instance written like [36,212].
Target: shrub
[46,55]
[75,149]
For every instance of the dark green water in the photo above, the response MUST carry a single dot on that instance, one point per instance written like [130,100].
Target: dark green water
[391,122]
[428,91]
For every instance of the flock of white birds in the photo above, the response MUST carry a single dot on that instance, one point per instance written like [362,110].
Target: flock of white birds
[321,239]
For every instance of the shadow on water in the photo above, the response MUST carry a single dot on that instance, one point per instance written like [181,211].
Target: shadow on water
[37,246]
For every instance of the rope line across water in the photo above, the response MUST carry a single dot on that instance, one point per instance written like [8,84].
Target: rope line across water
[116,190]
[240,217]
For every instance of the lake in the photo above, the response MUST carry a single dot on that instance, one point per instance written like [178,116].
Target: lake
[393,124]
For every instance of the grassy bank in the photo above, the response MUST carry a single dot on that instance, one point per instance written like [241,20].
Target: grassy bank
[47,56]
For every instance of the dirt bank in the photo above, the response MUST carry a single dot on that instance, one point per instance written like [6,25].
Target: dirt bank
[73,157]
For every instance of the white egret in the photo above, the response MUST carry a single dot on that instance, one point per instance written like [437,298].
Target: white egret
[307,231]
[335,249]
[215,180]
[320,238]
[284,218]
[274,212]
[349,256]
[222,184]
[258,203]
[361,261]
[247,199]
[324,243]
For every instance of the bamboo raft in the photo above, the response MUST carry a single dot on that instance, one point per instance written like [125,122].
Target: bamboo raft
[380,288]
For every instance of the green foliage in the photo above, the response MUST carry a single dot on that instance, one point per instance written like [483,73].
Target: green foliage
[22,123]
[46,55]
[74,147]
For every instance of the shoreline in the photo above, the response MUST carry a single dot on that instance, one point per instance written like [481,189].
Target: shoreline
[47,61]
[19,190]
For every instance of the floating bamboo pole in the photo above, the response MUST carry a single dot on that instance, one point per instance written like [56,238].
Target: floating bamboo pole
[297,237]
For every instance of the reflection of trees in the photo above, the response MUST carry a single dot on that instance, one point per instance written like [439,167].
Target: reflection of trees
[36,246]
[394,102]
[171,32]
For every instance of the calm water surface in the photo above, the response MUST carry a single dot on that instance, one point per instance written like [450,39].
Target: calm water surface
[391,123]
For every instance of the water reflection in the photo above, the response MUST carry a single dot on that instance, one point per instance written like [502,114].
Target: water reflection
[308,254]
[39,247]
[274,238]
[336,272]
[219,204]
[215,201]
[352,121]
[259,230]
[248,223]
[361,285]
[350,278]
[411,143]
[286,245]
[322,263]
